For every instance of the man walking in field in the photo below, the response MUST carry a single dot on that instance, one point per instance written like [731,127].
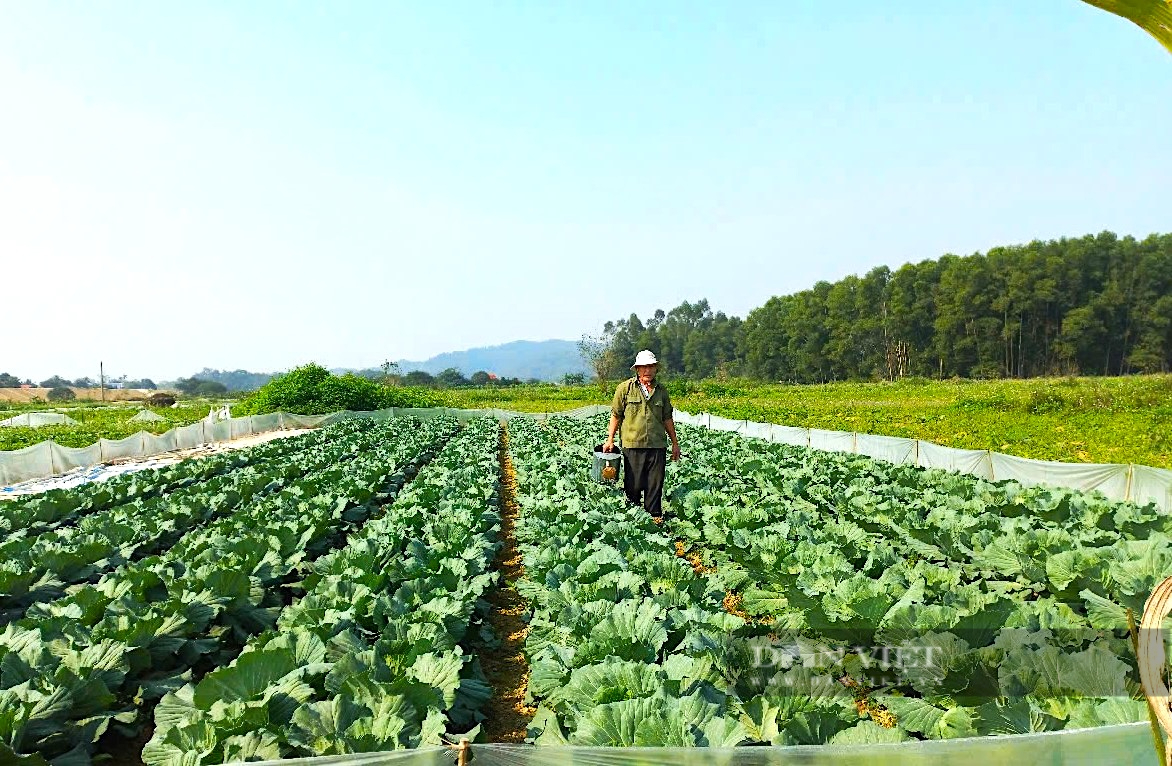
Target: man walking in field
[643,410]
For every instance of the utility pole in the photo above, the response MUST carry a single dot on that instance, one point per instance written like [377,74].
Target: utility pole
[102,378]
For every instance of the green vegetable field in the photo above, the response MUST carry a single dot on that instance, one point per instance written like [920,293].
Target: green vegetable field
[1073,420]
[334,593]
[93,423]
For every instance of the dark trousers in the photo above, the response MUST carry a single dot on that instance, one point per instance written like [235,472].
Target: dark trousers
[643,477]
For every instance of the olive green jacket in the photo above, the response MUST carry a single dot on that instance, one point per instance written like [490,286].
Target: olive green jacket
[641,418]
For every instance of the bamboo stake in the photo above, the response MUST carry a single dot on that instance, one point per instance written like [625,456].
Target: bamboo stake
[1149,653]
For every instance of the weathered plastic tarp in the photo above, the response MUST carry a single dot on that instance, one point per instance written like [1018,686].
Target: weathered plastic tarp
[146,416]
[38,419]
[971,461]
[424,756]
[832,441]
[1123,745]
[889,448]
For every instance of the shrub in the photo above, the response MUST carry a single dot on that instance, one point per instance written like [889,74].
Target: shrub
[1044,402]
[61,394]
[714,389]
[312,390]
[160,399]
[418,378]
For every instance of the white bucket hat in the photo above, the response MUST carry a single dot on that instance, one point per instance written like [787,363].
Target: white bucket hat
[644,357]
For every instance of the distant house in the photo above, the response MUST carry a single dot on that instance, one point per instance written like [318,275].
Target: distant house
[493,376]
[26,385]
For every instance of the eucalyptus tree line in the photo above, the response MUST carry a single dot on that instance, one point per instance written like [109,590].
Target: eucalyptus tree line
[1096,305]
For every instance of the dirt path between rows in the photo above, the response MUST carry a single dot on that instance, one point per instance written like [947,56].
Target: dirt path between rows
[506,668]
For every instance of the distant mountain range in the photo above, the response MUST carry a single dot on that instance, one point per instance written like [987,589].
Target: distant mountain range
[235,380]
[547,360]
[524,359]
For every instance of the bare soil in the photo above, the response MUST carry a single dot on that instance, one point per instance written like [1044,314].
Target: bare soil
[505,667]
[83,394]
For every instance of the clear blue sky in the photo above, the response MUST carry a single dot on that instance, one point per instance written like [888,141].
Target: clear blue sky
[262,184]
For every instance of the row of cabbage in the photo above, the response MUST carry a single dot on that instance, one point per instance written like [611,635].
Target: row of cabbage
[950,606]
[99,658]
[627,644]
[370,658]
[28,515]
[39,568]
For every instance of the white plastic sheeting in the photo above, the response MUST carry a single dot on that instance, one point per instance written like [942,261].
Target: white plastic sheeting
[832,441]
[119,449]
[889,448]
[1106,746]
[190,437]
[724,424]
[38,419]
[146,416]
[424,756]
[27,463]
[757,430]
[797,437]
[1109,478]
[1138,483]
[970,461]
[1151,485]
[1122,745]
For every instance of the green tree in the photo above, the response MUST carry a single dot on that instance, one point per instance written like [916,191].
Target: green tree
[210,388]
[392,375]
[1096,304]
[61,394]
[419,378]
[765,340]
[146,383]
[712,349]
[189,386]
[55,382]
[598,355]
[451,378]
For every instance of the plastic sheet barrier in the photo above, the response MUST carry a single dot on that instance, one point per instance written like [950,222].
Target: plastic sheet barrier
[1107,746]
[38,419]
[1123,745]
[424,756]
[1138,483]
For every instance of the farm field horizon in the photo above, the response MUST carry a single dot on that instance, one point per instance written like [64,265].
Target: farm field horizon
[1068,419]
[1076,420]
